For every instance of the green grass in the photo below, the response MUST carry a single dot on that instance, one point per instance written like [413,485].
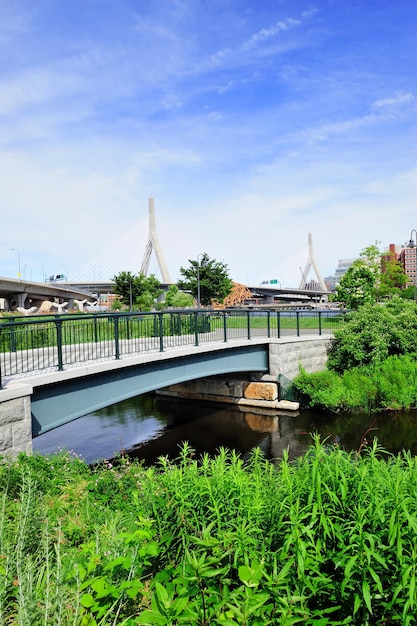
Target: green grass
[329,539]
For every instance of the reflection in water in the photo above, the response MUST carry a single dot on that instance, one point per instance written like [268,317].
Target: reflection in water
[150,426]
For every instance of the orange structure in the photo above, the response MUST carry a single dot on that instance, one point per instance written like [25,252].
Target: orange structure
[237,296]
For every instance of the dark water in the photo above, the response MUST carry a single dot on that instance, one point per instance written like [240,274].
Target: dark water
[149,426]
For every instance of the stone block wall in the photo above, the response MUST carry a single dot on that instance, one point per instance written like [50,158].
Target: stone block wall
[285,356]
[15,420]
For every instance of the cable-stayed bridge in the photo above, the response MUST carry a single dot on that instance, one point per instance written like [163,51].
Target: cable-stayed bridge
[138,250]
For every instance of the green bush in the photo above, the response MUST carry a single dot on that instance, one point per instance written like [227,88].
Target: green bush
[373,333]
[391,384]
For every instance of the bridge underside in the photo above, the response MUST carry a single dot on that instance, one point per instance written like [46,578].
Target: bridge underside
[57,404]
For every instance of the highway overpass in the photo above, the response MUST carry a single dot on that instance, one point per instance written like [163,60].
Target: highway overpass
[23,293]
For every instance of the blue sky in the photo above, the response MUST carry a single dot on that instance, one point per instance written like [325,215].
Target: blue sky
[251,122]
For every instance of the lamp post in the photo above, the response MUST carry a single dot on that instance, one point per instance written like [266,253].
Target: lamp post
[413,244]
[24,271]
[203,264]
[18,258]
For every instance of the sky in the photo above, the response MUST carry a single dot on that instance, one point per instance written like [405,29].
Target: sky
[251,123]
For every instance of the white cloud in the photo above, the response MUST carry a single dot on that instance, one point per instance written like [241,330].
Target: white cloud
[272,31]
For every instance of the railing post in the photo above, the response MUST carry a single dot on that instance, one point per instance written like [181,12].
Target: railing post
[248,322]
[268,318]
[58,326]
[12,336]
[319,322]
[224,326]
[196,328]
[116,337]
[95,329]
[278,324]
[298,323]
[161,332]
[1,386]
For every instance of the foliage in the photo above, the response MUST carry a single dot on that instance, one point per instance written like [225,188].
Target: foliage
[138,290]
[393,278]
[329,539]
[359,285]
[409,293]
[391,384]
[214,280]
[178,299]
[370,278]
[373,333]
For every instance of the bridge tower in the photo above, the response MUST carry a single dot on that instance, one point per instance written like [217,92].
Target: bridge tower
[153,244]
[311,263]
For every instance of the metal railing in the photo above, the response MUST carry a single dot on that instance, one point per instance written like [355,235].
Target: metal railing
[57,342]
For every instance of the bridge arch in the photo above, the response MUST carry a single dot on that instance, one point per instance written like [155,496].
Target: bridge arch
[56,404]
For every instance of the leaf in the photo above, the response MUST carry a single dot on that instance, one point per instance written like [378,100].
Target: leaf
[87,600]
[250,576]
[152,618]
[367,595]
[357,604]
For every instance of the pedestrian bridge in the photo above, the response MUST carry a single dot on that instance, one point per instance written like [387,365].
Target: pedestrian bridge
[58,368]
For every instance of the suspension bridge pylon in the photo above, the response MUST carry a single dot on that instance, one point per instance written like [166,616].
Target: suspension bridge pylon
[153,244]
[311,262]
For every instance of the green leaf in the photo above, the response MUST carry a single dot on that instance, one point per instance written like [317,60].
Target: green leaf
[250,576]
[357,604]
[87,600]
[152,618]
[367,595]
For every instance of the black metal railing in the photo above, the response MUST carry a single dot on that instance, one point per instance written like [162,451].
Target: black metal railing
[29,345]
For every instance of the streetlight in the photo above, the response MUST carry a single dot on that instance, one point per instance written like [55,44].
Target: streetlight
[412,244]
[18,257]
[24,271]
[203,264]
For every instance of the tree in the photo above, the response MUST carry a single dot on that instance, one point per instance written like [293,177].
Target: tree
[393,278]
[360,283]
[137,290]
[357,287]
[215,283]
[178,299]
[370,278]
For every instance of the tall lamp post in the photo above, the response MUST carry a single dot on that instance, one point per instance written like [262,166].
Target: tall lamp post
[203,264]
[18,259]
[413,244]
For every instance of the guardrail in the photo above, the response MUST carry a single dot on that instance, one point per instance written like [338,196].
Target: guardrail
[29,345]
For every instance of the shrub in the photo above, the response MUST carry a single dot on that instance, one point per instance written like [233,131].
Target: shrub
[373,333]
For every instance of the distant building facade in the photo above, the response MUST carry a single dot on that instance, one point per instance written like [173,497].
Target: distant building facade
[408,259]
[341,269]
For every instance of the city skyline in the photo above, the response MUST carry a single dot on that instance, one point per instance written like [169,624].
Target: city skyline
[252,124]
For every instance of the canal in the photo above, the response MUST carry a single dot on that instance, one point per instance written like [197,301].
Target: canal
[149,426]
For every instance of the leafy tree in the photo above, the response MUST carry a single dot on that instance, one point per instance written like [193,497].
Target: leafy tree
[373,333]
[393,278]
[370,278]
[178,299]
[138,289]
[357,287]
[215,283]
